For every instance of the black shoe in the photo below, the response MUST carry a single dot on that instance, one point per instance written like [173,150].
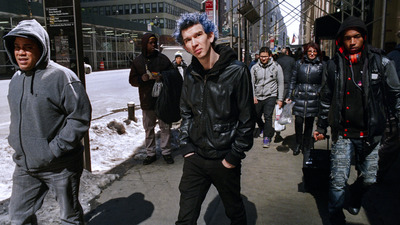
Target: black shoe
[297,150]
[168,159]
[149,160]
[353,210]
[309,161]
[278,138]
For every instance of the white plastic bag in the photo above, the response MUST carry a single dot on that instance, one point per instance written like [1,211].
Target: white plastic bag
[157,89]
[278,127]
[286,115]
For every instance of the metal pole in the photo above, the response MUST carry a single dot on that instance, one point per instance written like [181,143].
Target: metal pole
[362,9]
[215,12]
[231,24]
[383,24]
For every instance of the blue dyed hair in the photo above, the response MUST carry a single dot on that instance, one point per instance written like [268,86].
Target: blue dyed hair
[189,19]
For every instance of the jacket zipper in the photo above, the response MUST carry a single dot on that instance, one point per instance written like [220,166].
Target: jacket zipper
[306,90]
[20,122]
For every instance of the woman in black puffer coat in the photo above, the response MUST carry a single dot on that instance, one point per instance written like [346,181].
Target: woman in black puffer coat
[305,85]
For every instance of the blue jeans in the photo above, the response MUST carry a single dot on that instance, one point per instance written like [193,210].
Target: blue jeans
[30,188]
[366,165]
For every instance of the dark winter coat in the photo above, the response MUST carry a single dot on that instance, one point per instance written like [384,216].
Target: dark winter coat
[156,62]
[305,85]
[381,90]
[217,109]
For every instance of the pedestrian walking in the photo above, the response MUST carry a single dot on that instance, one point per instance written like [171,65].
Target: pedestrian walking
[305,85]
[256,58]
[146,74]
[361,87]
[50,114]
[268,86]
[217,123]
[179,64]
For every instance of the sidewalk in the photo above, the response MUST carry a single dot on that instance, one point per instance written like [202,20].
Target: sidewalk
[272,189]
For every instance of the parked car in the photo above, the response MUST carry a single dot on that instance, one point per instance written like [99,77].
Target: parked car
[88,68]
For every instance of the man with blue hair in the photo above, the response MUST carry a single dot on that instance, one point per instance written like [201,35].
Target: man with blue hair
[217,120]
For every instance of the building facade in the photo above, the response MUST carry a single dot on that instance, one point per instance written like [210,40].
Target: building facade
[152,13]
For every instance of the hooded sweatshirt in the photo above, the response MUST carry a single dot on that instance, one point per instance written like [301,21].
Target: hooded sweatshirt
[50,110]
[355,120]
[156,62]
[268,80]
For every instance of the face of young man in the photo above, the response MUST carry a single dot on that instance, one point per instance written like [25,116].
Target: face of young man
[353,41]
[197,42]
[26,52]
[264,57]
[178,60]
[311,53]
[151,45]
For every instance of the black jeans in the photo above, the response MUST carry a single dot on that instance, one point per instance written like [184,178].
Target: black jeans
[266,107]
[198,175]
[303,137]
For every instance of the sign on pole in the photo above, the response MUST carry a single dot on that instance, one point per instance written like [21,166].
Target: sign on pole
[64,26]
[209,9]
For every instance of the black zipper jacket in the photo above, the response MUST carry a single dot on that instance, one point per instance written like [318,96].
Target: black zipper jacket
[217,109]
[305,85]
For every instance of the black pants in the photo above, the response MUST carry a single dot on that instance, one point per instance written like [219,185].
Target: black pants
[266,107]
[303,137]
[198,175]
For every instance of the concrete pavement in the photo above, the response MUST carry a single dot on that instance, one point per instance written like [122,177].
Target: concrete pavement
[272,189]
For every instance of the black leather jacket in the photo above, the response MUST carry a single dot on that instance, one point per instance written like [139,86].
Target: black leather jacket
[381,95]
[305,85]
[217,109]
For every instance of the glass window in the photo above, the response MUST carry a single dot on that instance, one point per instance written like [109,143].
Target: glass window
[120,10]
[154,7]
[161,7]
[102,11]
[108,10]
[161,23]
[114,10]
[127,9]
[140,8]
[147,7]
[95,10]
[141,21]
[133,9]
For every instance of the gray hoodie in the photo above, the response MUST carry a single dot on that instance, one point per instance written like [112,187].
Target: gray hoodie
[50,110]
[267,80]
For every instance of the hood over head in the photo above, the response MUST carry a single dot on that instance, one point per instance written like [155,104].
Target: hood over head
[33,30]
[145,39]
[351,22]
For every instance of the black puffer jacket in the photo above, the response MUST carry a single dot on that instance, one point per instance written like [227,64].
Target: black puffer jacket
[381,90]
[217,109]
[305,85]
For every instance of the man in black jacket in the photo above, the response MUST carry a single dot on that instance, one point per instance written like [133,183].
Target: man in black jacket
[287,63]
[361,89]
[145,72]
[217,126]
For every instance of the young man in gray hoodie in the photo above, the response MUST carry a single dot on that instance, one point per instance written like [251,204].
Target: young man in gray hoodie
[50,113]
